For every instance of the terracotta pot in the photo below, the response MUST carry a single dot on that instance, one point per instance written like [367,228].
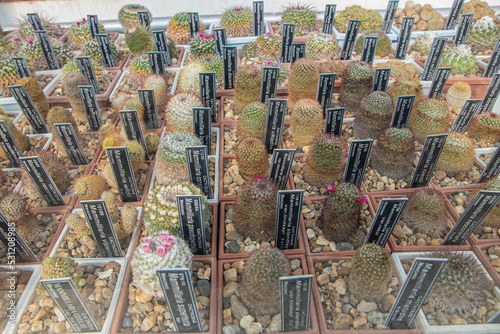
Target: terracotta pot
[180,59]
[220,285]
[480,251]
[321,313]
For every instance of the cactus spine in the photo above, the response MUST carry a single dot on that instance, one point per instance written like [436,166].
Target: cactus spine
[431,117]
[457,154]
[252,158]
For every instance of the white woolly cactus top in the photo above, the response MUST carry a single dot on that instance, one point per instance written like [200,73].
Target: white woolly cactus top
[460,51]
[163,251]
[485,22]
[426,38]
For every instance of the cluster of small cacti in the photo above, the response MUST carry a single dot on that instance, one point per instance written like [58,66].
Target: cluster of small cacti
[457,154]
[430,117]
[238,21]
[384,47]
[322,47]
[179,112]
[303,81]
[457,94]
[178,28]
[373,115]
[32,52]
[370,19]
[202,45]
[128,15]
[426,18]
[357,81]
[302,16]
[461,60]
[306,122]
[479,9]
[247,86]
[486,127]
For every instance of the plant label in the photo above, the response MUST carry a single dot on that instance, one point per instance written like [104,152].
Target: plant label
[329,19]
[493,64]
[157,62]
[162,46]
[48,53]
[258,18]
[229,61]
[492,169]
[439,82]
[385,220]
[207,90]
[132,127]
[281,164]
[106,50]
[276,111]
[28,108]
[491,94]
[191,219]
[456,8]
[325,90]
[434,58]
[197,159]
[390,13]
[269,84]
[143,16]
[9,145]
[404,37]
[21,67]
[220,41]
[298,51]
[85,66]
[14,244]
[87,94]
[355,168]
[495,319]
[201,127]
[68,138]
[288,213]
[369,47]
[35,21]
[381,79]
[333,121]
[402,111]
[194,24]
[350,39]
[147,97]
[94,25]
[463,29]
[123,173]
[286,42]
[428,159]
[465,116]
[295,297]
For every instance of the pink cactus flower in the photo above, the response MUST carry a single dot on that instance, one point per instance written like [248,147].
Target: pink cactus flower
[170,240]
[30,42]
[361,200]
[331,188]
[160,251]
[146,248]
[259,177]
[148,240]
[164,235]
[238,10]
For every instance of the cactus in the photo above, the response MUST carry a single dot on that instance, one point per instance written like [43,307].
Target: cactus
[73,67]
[399,68]
[70,85]
[8,74]
[160,207]
[152,140]
[128,218]
[423,43]
[303,81]
[90,187]
[61,115]
[179,112]
[325,161]
[112,204]
[140,69]
[461,61]
[306,122]
[431,117]
[79,33]
[157,83]
[247,87]
[238,21]
[32,52]
[302,16]
[213,63]
[255,210]
[425,213]
[26,31]
[128,15]
[479,9]
[457,154]
[249,50]
[139,41]
[373,115]
[178,28]
[269,46]
[63,53]
[406,85]
[202,45]
[341,208]
[137,154]
[483,35]
[93,50]
[35,91]
[371,273]
[60,267]
[322,47]
[162,251]
[486,127]
[357,81]
[12,206]
[29,228]
[393,153]
[259,285]
[457,94]
[189,78]
[370,19]
[384,47]
[77,225]
[253,121]
[492,219]
[252,158]
[19,137]
[171,161]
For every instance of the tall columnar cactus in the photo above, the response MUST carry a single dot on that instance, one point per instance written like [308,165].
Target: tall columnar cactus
[90,187]
[255,210]
[128,217]
[77,225]
[483,35]
[460,285]
[35,91]
[384,47]
[157,83]
[268,46]
[425,213]
[171,161]
[137,154]
[247,86]
[322,47]
[457,155]
[189,78]
[238,21]
[485,127]
[252,158]
[140,68]
[70,85]
[457,94]
[13,206]
[162,251]
[128,15]
[325,161]
[160,207]
[179,112]
[306,122]
[259,285]
[370,19]
[302,16]
[253,121]
[61,115]
[461,61]
[357,81]
[79,33]
[341,208]
[373,115]
[178,28]
[406,85]
[139,41]
[202,45]
[431,117]
[303,80]
[371,273]
[423,43]
[393,153]
[60,267]
[19,137]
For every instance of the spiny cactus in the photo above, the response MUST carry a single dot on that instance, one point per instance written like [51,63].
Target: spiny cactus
[341,209]
[189,78]
[152,140]
[306,122]
[139,41]
[370,19]
[77,225]
[431,117]
[384,47]
[160,207]
[325,161]
[178,28]
[252,158]
[137,154]
[112,204]
[302,16]
[29,228]
[90,187]
[238,21]
[73,67]
[26,31]
[213,63]
[128,15]
[70,85]
[140,69]
[486,127]
[322,47]
[406,85]
[128,217]
[8,74]
[249,50]
[425,213]
[483,35]
[19,137]
[157,83]
[357,81]
[253,121]
[479,9]
[269,46]
[461,61]
[171,161]
[202,45]
[259,285]
[61,115]
[93,50]
[373,115]
[400,68]
[35,91]
[303,80]
[246,87]
[179,112]
[79,33]
[423,43]
[371,273]
[162,251]
[393,153]
[457,154]
[60,267]
[457,94]
[12,206]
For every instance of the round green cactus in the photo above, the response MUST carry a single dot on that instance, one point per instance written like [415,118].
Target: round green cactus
[247,86]
[252,158]
[202,45]
[60,267]
[79,33]
[179,112]
[93,50]
[461,61]
[384,47]
[77,225]
[431,117]
[13,206]
[302,16]
[140,68]
[306,122]
[370,19]
[157,83]
[406,85]
[249,50]
[322,47]
[128,15]
[90,187]
[238,21]
[178,28]
[486,127]
[112,204]
[152,141]
[269,46]
[373,115]
[303,81]
[213,63]
[357,81]
[139,41]
[8,74]
[458,154]
[253,121]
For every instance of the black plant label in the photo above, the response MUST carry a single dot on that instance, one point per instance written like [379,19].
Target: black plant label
[100,223]
[369,47]
[492,169]
[197,159]
[94,25]
[190,209]
[390,13]
[67,298]
[179,293]
[162,46]
[132,126]
[495,319]
[286,42]
[147,97]
[207,91]
[422,276]
[491,94]
[465,116]
[385,220]
[350,39]
[9,145]
[89,100]
[157,62]
[229,62]
[456,8]
[355,168]
[21,67]
[68,138]
[463,29]
[85,66]
[295,301]
[434,58]
[281,164]
[201,127]
[333,121]
[276,111]
[439,82]
[106,50]
[13,243]
[194,24]
[258,18]
[48,53]
[143,16]
[494,63]
[35,21]
[329,19]
[325,90]
[119,159]
[42,180]
[220,41]
[427,163]
[381,79]
[404,37]
[402,111]
[298,51]
[28,108]
[270,76]
[288,213]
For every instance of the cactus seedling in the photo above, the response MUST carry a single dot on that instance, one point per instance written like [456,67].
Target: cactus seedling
[374,115]
[252,158]
[306,122]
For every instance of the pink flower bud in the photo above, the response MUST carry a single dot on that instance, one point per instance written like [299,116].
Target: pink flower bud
[213,36]
[170,240]
[238,10]
[160,251]
[78,24]
[207,37]
[167,247]
[15,40]
[84,20]
[259,177]
[1,65]
[268,34]
[269,62]
[361,200]
[201,35]
[146,248]
[164,235]
[148,240]
[297,8]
